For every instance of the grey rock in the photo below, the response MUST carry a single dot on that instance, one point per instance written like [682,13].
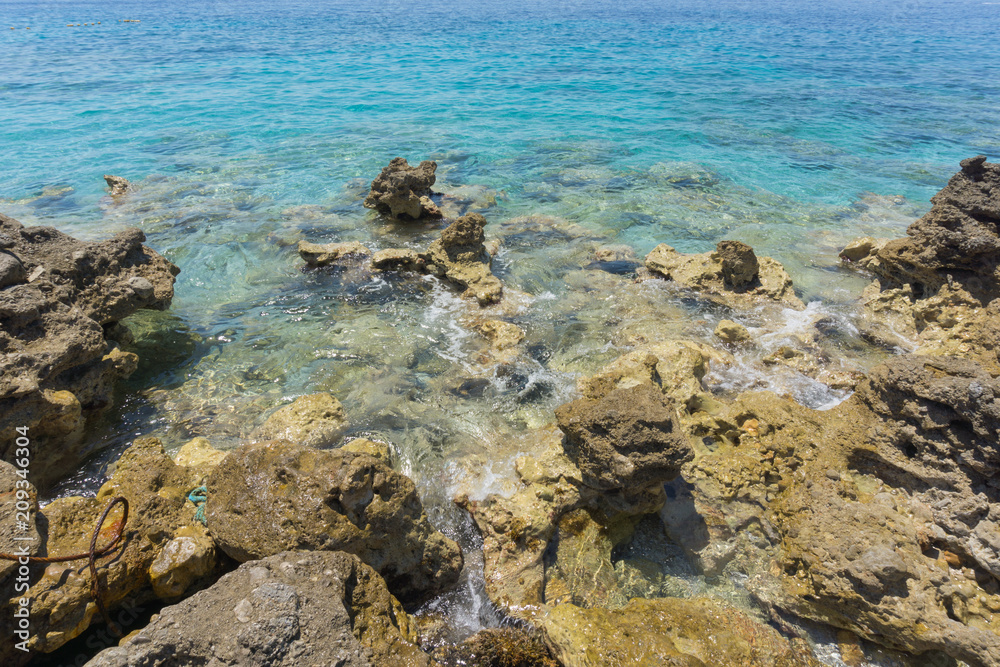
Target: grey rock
[291,609]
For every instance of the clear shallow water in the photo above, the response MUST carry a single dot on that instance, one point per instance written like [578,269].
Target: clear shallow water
[794,126]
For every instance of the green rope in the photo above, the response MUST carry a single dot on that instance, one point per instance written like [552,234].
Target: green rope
[198,496]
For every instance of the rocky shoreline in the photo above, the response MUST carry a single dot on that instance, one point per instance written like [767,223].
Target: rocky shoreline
[876,521]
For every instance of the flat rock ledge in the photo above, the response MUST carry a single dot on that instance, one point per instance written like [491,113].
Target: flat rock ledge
[60,301]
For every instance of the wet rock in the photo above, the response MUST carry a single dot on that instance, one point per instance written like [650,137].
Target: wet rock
[293,608]
[732,275]
[264,499]
[378,450]
[397,259]
[118,185]
[629,437]
[958,237]
[502,335]
[731,333]
[460,256]
[314,420]
[498,647]
[317,255]
[676,367]
[555,508]
[57,368]
[874,517]
[402,191]
[160,516]
[932,286]
[861,250]
[682,632]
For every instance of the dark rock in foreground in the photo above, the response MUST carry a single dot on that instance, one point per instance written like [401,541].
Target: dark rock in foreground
[294,608]
[402,191]
[268,498]
[58,299]
[628,438]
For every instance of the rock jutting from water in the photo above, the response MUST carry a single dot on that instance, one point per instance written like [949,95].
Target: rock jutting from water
[935,291]
[459,256]
[403,192]
[118,185]
[732,275]
[60,302]
[323,254]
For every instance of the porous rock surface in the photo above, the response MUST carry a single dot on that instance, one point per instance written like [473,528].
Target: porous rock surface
[459,256]
[629,437]
[166,552]
[272,497]
[878,516]
[291,609]
[402,191]
[732,275]
[57,366]
[323,254]
[935,290]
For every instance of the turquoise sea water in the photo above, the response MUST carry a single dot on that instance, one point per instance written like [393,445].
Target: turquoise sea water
[795,126]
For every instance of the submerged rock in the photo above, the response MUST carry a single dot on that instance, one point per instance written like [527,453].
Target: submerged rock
[402,191]
[498,647]
[669,631]
[732,333]
[293,608]
[502,335]
[314,420]
[269,498]
[57,368]
[318,255]
[732,275]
